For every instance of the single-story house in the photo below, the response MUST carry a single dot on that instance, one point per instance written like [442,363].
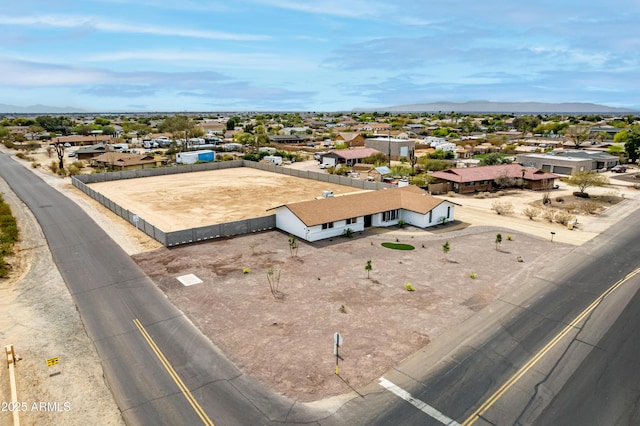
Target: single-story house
[487,178]
[89,152]
[288,139]
[570,161]
[329,217]
[118,160]
[348,157]
[79,140]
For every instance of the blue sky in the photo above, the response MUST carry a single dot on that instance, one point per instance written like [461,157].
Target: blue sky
[323,55]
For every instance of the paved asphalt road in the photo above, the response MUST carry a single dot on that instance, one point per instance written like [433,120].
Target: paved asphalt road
[455,374]
[110,291]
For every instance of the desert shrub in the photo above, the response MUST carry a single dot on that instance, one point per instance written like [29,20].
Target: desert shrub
[549,214]
[571,208]
[21,155]
[590,207]
[502,207]
[73,170]
[559,199]
[453,194]
[53,166]
[609,197]
[62,173]
[9,144]
[78,164]
[563,217]
[473,276]
[35,165]
[409,287]
[500,194]
[580,194]
[531,212]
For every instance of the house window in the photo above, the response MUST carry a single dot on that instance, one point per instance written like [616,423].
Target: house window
[352,220]
[327,225]
[448,212]
[389,215]
[430,216]
[469,183]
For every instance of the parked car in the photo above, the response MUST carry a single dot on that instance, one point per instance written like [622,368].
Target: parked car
[619,169]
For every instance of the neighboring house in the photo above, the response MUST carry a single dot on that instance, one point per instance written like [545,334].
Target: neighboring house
[78,140]
[329,217]
[488,178]
[349,139]
[348,157]
[373,127]
[118,160]
[569,162]
[288,139]
[398,148]
[89,152]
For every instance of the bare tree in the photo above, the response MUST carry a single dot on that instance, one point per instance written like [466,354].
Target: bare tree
[273,276]
[578,134]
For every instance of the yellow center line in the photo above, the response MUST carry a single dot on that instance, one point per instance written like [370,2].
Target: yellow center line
[538,356]
[185,391]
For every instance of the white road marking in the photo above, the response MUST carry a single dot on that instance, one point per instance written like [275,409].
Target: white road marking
[420,405]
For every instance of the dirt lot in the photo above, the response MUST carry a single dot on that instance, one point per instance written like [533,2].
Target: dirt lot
[288,343]
[190,200]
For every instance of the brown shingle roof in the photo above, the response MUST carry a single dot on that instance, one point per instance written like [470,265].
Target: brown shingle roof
[124,160]
[474,174]
[354,154]
[324,210]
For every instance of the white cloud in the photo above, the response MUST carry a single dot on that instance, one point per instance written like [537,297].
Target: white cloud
[353,9]
[107,25]
[209,58]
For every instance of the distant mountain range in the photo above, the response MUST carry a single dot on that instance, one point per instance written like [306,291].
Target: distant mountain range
[505,107]
[37,109]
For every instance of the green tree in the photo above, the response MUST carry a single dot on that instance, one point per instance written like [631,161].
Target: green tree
[368,267]
[621,137]
[498,240]
[446,247]
[493,159]
[584,180]
[632,145]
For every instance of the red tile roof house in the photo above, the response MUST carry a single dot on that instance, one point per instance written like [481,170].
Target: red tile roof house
[487,178]
[347,156]
[329,217]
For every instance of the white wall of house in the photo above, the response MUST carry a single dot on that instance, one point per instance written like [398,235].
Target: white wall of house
[315,233]
[432,218]
[288,222]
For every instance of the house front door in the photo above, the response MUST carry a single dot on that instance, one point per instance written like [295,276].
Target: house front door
[367,221]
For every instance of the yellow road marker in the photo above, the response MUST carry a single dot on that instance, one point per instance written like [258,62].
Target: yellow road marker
[538,356]
[185,391]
